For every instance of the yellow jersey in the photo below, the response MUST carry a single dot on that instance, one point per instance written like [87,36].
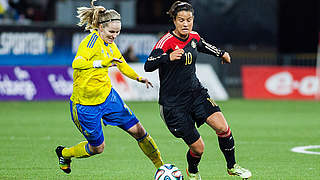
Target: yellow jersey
[91,83]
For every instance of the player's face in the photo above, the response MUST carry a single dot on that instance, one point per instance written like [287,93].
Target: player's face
[110,31]
[183,23]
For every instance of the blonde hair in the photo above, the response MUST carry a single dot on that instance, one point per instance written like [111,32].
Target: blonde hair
[96,15]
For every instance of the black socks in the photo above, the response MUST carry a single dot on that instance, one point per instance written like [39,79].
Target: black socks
[193,161]
[227,147]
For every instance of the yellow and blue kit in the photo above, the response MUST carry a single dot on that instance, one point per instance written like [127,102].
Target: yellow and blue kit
[91,85]
[93,97]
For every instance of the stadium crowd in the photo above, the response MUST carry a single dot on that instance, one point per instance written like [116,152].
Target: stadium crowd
[26,11]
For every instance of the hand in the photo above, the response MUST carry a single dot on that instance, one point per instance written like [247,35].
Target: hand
[226,58]
[145,81]
[176,54]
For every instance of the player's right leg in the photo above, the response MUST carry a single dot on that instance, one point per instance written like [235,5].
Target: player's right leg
[81,150]
[181,125]
[87,120]
[193,158]
[64,163]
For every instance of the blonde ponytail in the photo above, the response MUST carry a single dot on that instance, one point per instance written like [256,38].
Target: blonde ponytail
[96,15]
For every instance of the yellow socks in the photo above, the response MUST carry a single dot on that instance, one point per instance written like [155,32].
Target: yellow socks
[147,145]
[150,149]
[78,151]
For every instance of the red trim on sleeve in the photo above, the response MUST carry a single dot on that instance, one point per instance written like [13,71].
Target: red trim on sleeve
[161,43]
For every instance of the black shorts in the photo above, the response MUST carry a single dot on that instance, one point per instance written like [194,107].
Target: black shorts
[181,120]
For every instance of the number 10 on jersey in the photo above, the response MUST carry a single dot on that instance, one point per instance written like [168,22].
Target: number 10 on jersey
[188,58]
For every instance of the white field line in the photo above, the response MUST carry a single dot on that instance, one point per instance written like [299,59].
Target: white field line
[304,149]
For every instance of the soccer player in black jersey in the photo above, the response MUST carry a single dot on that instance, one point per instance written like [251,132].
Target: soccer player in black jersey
[183,101]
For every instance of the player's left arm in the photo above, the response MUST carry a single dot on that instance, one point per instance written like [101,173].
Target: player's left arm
[128,71]
[208,48]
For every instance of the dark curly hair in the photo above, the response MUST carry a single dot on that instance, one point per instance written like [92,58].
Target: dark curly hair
[179,6]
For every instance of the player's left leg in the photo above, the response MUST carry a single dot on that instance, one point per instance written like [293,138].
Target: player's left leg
[119,114]
[226,144]
[205,110]
[225,138]
[146,144]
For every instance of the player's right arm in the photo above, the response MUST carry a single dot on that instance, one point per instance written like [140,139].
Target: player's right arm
[156,58]
[81,63]
[86,51]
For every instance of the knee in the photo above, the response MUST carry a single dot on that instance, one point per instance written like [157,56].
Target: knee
[198,148]
[224,131]
[98,149]
[141,134]
[201,149]
[137,131]
[198,151]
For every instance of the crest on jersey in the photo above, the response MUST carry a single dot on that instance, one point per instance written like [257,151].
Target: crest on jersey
[193,44]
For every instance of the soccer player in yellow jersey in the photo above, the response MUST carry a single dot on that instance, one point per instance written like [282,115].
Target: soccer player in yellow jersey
[93,97]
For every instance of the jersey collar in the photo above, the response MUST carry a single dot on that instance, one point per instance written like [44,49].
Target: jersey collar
[100,39]
[184,40]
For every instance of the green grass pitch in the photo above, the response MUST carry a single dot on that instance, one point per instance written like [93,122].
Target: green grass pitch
[264,133]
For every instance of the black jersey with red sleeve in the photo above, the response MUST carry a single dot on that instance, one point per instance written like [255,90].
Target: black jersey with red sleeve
[178,78]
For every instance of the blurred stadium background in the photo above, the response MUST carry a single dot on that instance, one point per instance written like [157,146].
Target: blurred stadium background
[266,32]
[273,78]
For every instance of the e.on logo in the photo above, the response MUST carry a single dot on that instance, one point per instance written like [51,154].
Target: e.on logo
[283,83]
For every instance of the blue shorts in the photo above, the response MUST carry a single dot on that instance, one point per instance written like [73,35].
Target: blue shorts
[112,112]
